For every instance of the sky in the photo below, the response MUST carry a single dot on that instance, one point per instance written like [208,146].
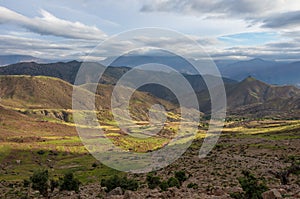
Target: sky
[226,29]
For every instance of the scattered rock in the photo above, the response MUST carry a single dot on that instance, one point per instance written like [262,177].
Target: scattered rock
[116,191]
[272,194]
[131,195]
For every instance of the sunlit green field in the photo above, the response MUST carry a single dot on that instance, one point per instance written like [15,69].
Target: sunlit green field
[55,145]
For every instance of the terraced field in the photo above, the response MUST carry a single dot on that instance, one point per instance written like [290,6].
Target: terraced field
[29,142]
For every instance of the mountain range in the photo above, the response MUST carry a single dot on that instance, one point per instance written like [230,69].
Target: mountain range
[272,72]
[31,85]
[13,59]
[48,93]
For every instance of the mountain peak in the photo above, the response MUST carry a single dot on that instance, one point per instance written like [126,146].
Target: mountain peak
[249,79]
[73,61]
[258,60]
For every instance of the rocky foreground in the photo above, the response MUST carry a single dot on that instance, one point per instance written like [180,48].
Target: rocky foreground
[216,175]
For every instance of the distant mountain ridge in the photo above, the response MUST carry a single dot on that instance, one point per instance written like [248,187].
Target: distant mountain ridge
[256,98]
[13,59]
[272,72]
[67,71]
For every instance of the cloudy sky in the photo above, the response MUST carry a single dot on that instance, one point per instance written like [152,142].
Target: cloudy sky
[226,29]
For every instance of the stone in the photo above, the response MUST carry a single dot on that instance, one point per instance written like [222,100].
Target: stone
[282,191]
[272,194]
[131,195]
[116,191]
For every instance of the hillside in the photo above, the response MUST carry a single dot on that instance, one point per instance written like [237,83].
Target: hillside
[35,92]
[250,96]
[254,98]
[65,71]
[41,92]
[251,91]
[68,71]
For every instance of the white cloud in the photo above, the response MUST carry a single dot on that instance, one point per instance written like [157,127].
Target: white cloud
[42,48]
[205,21]
[48,24]
[252,11]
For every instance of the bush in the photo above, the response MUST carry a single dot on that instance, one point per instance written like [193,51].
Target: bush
[53,184]
[181,177]
[41,152]
[69,183]
[164,185]
[192,185]
[251,186]
[116,181]
[153,181]
[173,182]
[284,175]
[26,183]
[236,195]
[39,181]
[129,184]
[94,165]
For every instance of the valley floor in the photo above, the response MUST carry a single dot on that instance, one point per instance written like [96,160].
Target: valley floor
[263,147]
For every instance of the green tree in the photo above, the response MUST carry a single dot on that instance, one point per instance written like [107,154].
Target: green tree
[251,186]
[180,175]
[69,183]
[116,181]
[173,182]
[40,181]
[152,181]
[164,185]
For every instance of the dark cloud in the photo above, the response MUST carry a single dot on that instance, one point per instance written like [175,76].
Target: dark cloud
[284,45]
[271,51]
[268,13]
[288,19]
[214,7]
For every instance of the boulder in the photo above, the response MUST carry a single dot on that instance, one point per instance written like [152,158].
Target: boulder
[131,195]
[115,191]
[272,194]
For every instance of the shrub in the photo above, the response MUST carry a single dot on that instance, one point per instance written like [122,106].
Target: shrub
[164,185]
[116,181]
[41,152]
[284,175]
[129,184]
[192,185]
[251,186]
[69,183]
[236,195]
[111,183]
[173,182]
[39,181]
[181,177]
[94,165]
[53,184]
[152,181]
[26,183]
